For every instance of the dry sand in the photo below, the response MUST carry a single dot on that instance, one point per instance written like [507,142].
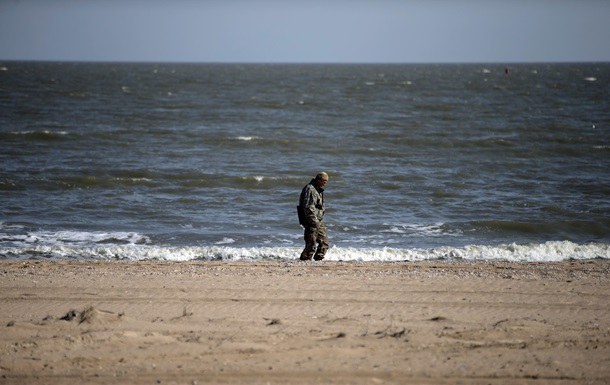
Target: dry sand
[289,322]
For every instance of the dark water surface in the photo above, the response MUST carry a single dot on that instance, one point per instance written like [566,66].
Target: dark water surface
[184,161]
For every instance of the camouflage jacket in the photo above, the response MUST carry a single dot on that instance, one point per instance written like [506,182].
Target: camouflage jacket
[312,203]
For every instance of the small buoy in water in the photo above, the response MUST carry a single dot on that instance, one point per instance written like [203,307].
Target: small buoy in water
[506,70]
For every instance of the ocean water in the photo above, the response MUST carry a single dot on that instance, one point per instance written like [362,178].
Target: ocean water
[206,161]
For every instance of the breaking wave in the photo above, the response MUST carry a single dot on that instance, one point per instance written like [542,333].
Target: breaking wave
[540,252]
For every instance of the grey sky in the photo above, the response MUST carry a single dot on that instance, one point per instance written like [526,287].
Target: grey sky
[306,31]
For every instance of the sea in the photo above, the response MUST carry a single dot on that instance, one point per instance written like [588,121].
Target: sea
[206,161]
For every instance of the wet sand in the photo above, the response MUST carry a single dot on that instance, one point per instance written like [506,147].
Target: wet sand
[289,322]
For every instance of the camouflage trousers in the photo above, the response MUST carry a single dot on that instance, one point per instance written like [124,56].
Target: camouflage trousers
[316,242]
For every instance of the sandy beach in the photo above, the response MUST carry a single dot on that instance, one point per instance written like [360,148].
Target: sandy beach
[289,322]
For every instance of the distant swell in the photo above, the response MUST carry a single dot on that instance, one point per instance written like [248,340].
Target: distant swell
[598,228]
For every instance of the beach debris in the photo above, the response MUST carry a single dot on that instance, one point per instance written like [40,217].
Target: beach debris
[91,315]
[69,316]
[335,336]
[394,333]
[273,321]
[88,315]
[184,314]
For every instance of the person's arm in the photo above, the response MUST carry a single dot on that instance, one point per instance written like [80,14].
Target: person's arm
[309,208]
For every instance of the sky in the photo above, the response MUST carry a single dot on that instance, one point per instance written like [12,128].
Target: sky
[306,31]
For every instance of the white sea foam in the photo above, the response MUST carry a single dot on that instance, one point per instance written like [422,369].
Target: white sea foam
[74,238]
[428,230]
[45,132]
[544,252]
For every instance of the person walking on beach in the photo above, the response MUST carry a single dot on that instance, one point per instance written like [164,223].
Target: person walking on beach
[311,211]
